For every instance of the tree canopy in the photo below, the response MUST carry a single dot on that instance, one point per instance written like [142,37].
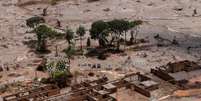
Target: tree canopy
[117,26]
[43,32]
[135,23]
[34,21]
[101,29]
[97,28]
[69,35]
[81,31]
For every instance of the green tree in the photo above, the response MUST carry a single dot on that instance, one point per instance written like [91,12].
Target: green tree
[99,30]
[81,32]
[117,26]
[34,21]
[59,72]
[69,35]
[126,27]
[42,32]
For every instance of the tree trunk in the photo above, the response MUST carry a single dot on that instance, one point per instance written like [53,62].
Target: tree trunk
[80,42]
[136,33]
[43,45]
[56,54]
[132,37]
[75,78]
[101,43]
[39,40]
[112,40]
[125,40]
[118,45]
[118,42]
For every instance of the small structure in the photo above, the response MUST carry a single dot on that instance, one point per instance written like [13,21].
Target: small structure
[141,83]
[102,90]
[179,72]
[100,95]
[33,94]
[149,85]
[87,84]
[110,88]
[182,66]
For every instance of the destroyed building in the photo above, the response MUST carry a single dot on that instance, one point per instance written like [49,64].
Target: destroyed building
[179,72]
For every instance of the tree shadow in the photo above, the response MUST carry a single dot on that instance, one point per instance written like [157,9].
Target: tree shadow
[32,44]
[102,53]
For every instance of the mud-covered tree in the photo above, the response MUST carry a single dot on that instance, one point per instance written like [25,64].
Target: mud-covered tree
[81,31]
[117,27]
[88,42]
[126,28]
[99,31]
[42,66]
[34,21]
[70,51]
[69,35]
[134,24]
[44,12]
[42,33]
[76,74]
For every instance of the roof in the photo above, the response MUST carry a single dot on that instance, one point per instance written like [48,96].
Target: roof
[109,86]
[93,84]
[178,76]
[102,92]
[149,83]
[183,75]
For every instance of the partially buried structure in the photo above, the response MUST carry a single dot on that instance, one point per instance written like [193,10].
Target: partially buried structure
[182,73]
[101,89]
